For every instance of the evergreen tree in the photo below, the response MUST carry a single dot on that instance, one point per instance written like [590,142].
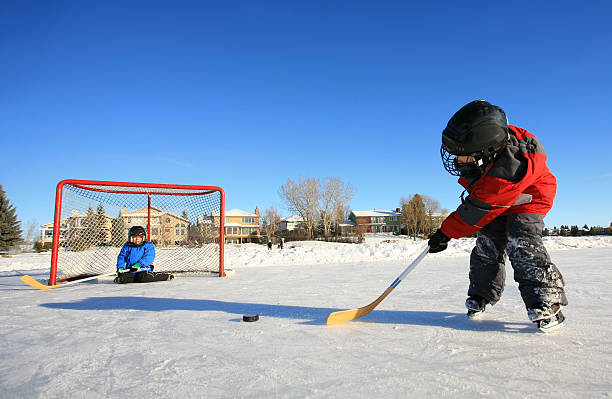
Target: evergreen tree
[83,232]
[118,232]
[10,226]
[100,226]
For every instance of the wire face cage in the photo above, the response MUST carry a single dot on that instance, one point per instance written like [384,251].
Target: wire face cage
[92,220]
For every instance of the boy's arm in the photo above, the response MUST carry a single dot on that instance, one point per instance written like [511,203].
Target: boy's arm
[483,205]
[122,258]
[148,257]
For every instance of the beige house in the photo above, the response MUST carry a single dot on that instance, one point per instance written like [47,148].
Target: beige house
[46,232]
[75,227]
[167,229]
[240,226]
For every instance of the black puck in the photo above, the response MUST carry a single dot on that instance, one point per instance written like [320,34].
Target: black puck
[250,317]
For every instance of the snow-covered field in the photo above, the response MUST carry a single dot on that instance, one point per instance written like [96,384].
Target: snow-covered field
[186,339]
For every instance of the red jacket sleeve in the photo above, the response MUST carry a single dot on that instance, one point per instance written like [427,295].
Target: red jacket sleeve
[490,198]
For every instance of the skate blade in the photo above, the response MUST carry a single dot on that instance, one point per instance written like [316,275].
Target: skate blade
[552,328]
[474,315]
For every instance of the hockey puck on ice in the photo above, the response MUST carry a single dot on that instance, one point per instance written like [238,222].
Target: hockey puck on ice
[250,317]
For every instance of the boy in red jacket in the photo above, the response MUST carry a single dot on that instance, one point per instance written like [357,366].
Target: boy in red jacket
[510,190]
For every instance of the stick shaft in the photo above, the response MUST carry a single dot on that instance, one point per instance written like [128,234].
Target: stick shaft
[88,278]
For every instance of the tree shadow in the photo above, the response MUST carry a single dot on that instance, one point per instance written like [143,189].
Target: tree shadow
[308,315]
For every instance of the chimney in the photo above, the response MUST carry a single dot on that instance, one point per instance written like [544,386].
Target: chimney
[256,210]
[398,210]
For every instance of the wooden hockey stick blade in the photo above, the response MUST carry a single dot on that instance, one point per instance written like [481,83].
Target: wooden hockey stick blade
[29,280]
[351,314]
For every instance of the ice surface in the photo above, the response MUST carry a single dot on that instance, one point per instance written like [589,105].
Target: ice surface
[186,339]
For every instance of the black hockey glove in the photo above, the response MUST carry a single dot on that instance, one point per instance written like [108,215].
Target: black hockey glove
[438,242]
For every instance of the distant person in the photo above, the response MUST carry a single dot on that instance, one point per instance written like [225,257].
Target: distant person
[510,190]
[269,245]
[135,260]
[282,243]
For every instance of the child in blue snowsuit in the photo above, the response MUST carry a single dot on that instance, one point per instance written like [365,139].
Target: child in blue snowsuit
[135,260]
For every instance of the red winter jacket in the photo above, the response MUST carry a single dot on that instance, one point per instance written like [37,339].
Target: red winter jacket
[517,182]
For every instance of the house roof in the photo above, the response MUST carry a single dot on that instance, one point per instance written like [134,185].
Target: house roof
[292,218]
[143,212]
[236,212]
[347,223]
[381,212]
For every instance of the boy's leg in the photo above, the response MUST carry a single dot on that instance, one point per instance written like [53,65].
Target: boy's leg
[125,278]
[149,277]
[540,282]
[487,262]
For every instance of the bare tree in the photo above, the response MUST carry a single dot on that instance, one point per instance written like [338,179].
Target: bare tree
[32,229]
[334,197]
[270,222]
[303,198]
[432,207]
[341,209]
[413,214]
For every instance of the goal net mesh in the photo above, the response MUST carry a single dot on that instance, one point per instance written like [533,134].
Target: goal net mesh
[182,223]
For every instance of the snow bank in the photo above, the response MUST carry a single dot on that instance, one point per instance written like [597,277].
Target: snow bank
[376,249]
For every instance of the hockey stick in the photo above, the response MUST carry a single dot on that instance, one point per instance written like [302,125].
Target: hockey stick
[29,280]
[351,314]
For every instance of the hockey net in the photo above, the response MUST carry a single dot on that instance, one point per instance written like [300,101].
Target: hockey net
[92,220]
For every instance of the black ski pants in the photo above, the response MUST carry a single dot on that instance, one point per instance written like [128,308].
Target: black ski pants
[519,237]
[142,277]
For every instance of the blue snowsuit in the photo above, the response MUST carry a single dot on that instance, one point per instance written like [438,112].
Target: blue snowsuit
[130,254]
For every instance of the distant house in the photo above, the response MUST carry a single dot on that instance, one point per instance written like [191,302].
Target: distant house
[376,221]
[75,227]
[240,226]
[167,229]
[291,223]
[347,228]
[46,232]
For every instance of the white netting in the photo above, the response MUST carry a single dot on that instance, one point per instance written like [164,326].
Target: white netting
[95,219]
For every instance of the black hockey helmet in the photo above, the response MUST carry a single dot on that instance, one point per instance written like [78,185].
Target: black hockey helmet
[136,231]
[480,130]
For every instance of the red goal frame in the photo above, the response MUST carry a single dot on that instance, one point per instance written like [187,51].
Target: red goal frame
[138,188]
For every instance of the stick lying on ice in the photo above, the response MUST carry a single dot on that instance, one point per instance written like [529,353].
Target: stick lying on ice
[29,280]
[351,314]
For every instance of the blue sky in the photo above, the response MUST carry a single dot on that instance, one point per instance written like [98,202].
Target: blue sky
[247,94]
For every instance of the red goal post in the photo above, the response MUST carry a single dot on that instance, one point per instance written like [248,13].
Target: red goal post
[92,218]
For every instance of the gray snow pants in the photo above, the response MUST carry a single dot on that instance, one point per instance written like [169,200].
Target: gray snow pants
[520,237]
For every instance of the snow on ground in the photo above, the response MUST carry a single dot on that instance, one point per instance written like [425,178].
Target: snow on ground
[186,339]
